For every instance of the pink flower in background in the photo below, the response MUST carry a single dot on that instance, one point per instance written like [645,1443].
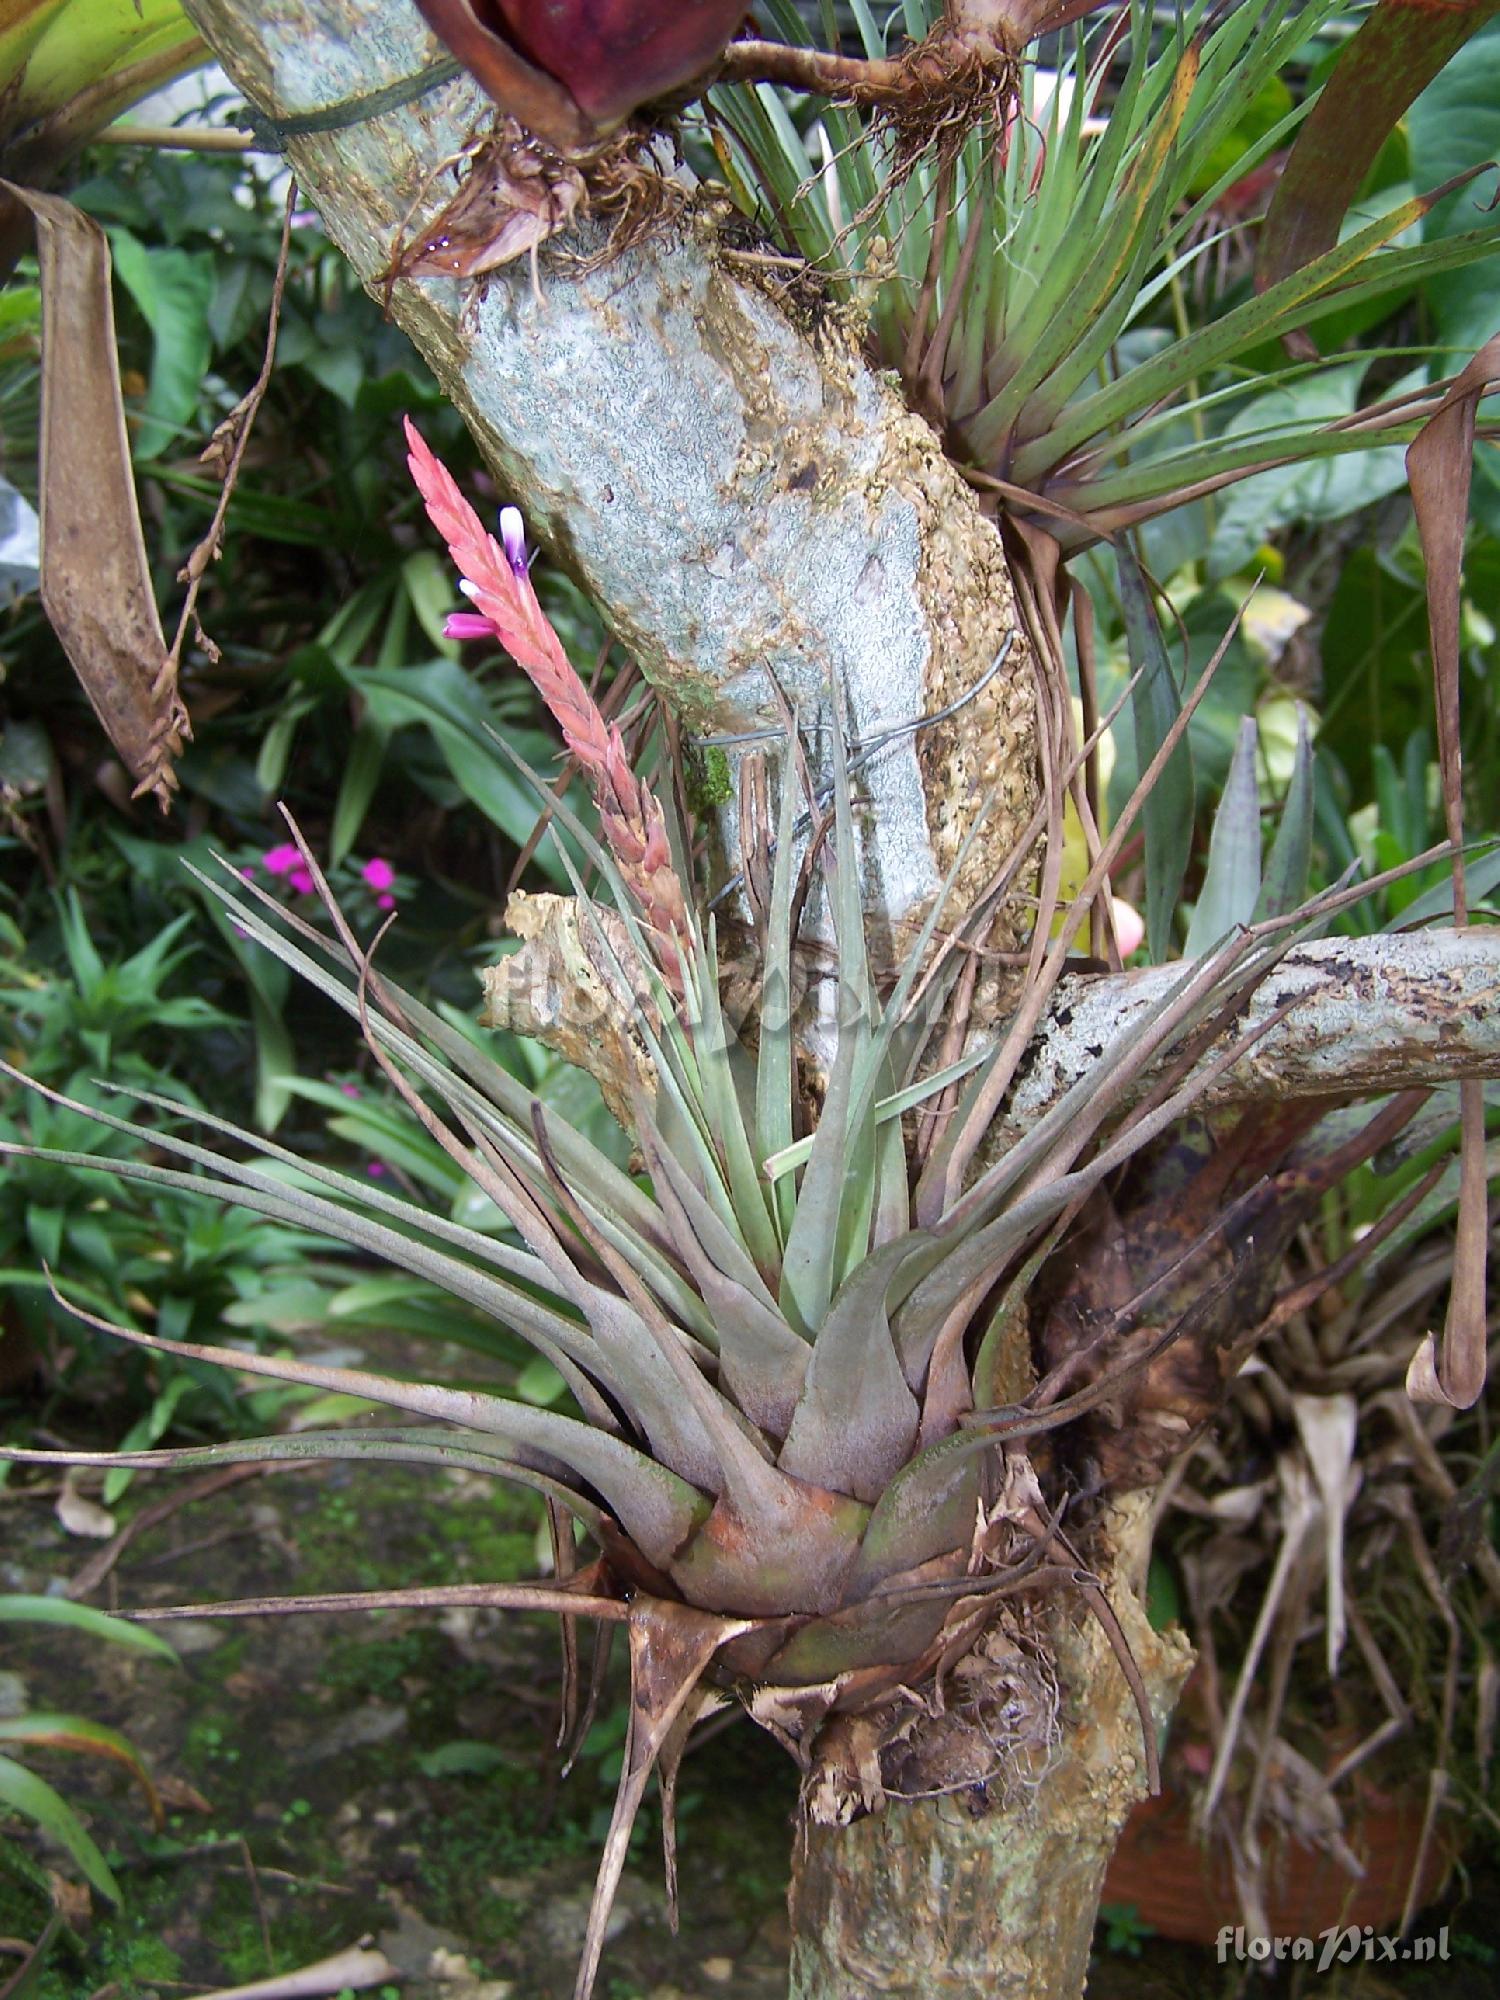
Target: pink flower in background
[283,860]
[300,880]
[378,874]
[1130,926]
[349,1089]
[247,874]
[375,1169]
[385,902]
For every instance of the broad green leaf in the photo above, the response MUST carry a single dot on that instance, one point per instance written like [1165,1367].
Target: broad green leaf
[173,289]
[362,773]
[450,703]
[1286,877]
[1231,882]
[1312,491]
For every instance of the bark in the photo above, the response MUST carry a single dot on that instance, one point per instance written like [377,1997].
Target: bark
[1371,1015]
[741,495]
[991,1893]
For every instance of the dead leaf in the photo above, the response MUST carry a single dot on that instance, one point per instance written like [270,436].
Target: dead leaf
[80,1515]
[71,1900]
[1440,468]
[671,1645]
[1328,1426]
[181,1796]
[356,1969]
[96,583]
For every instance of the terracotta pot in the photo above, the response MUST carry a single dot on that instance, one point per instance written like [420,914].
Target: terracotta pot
[1186,1892]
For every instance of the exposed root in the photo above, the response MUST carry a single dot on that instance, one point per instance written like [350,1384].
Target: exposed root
[947,88]
[519,191]
[629,193]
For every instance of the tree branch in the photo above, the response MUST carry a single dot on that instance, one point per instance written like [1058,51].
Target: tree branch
[738,491]
[1373,1014]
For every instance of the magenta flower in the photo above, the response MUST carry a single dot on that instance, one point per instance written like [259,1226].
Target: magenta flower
[281,860]
[467,625]
[300,880]
[375,1170]
[385,902]
[378,874]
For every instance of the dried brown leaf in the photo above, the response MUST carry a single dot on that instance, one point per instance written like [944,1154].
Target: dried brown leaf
[671,1645]
[1439,466]
[1400,46]
[96,583]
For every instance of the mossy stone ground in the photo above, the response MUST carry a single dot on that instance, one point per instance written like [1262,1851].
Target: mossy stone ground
[393,1775]
[388,1774]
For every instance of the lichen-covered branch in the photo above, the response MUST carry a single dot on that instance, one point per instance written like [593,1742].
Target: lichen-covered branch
[738,491]
[1372,1014]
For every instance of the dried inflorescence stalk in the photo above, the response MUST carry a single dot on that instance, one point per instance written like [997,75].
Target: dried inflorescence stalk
[497,582]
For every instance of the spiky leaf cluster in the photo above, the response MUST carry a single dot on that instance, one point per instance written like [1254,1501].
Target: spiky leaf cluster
[794,1340]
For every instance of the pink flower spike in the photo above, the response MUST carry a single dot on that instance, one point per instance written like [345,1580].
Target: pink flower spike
[300,880]
[378,874]
[281,860]
[385,902]
[496,583]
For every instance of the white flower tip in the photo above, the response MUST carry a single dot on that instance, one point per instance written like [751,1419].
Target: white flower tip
[513,536]
[470,590]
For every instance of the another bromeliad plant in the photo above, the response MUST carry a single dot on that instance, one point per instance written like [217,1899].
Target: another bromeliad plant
[806,1439]
[1019,278]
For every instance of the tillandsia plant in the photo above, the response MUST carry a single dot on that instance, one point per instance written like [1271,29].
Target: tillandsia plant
[805,1438]
[1017,278]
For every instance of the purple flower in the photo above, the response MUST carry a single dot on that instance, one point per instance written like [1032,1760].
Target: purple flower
[513,539]
[349,1089]
[467,625]
[385,902]
[378,874]
[281,860]
[247,874]
[301,881]
[375,1169]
